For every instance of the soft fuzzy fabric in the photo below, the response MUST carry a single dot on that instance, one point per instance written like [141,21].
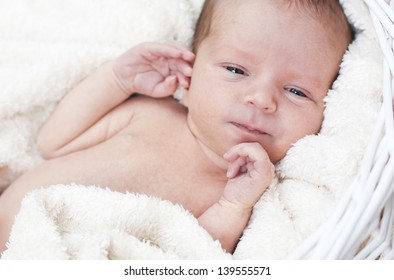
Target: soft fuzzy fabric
[48,46]
[81,222]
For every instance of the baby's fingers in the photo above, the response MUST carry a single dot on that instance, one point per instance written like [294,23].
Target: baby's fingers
[181,66]
[252,150]
[166,88]
[256,159]
[236,167]
[182,69]
[154,51]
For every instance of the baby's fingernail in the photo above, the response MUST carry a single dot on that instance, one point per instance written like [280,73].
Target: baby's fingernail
[230,172]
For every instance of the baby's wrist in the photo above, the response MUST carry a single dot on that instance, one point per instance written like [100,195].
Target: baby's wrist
[235,207]
[118,81]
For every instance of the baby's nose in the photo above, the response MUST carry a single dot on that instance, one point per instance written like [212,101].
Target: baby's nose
[262,100]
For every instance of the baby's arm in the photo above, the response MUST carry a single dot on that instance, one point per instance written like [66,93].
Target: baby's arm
[250,172]
[82,118]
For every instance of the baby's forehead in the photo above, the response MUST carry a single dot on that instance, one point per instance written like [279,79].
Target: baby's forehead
[327,12]
[331,19]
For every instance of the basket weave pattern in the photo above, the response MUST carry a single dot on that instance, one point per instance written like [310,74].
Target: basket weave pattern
[362,227]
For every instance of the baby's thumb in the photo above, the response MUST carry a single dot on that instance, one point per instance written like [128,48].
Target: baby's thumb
[168,86]
[165,88]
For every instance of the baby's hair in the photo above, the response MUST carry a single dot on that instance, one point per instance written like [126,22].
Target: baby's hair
[328,10]
[204,23]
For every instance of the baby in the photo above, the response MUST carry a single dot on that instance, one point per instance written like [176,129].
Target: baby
[254,84]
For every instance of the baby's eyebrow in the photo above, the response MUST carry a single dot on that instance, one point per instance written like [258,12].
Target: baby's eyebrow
[237,51]
[312,79]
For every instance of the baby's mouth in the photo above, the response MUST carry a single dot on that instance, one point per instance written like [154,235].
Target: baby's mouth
[248,129]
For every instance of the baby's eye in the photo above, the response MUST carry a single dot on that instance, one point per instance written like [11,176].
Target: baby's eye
[235,70]
[296,92]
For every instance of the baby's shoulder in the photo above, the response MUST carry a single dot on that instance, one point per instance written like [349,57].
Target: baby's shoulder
[156,106]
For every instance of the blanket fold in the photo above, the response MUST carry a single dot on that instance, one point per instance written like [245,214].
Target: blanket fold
[82,222]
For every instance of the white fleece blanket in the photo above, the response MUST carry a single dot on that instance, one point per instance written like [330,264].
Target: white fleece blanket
[47,46]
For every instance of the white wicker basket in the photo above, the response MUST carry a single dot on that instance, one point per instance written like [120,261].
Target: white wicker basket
[362,227]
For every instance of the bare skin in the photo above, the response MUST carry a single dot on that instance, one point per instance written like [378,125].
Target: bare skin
[137,138]
[215,155]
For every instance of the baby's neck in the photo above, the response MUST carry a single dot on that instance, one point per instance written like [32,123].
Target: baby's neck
[214,158]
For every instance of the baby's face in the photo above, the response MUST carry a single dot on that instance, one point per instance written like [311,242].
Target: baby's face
[261,76]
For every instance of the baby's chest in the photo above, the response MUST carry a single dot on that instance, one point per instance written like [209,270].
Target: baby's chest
[158,168]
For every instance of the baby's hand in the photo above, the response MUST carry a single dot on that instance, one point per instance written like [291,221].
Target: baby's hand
[154,69]
[250,173]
